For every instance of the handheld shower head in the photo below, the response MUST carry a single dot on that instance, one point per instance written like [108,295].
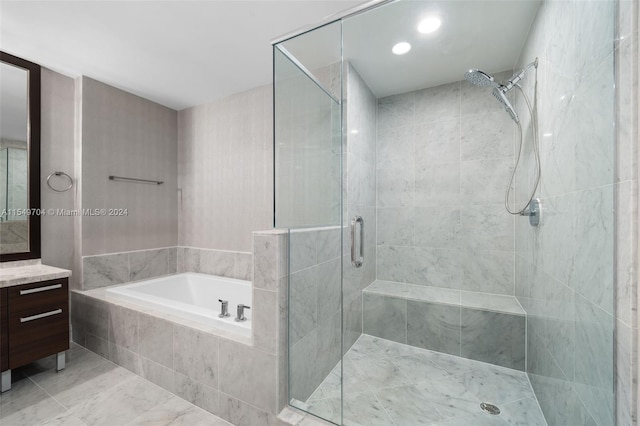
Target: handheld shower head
[480,78]
[500,94]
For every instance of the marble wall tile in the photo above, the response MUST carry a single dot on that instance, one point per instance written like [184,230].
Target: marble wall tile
[126,358]
[484,181]
[624,374]
[328,245]
[396,111]
[102,271]
[197,393]
[395,187]
[352,323]
[437,142]
[395,226]
[594,382]
[396,263]
[304,374]
[155,339]
[148,263]
[488,271]
[302,249]
[385,317]
[437,267]
[434,327]
[486,227]
[493,337]
[437,227]
[487,136]
[200,361]
[264,320]
[123,327]
[438,185]
[243,266]
[249,375]
[329,289]
[239,413]
[329,335]
[594,267]
[437,103]
[303,307]
[220,263]
[395,147]
[265,264]
[159,374]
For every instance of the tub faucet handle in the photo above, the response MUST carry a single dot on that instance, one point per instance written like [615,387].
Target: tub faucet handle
[224,309]
[241,308]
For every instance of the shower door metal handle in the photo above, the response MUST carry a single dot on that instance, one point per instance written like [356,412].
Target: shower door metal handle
[357,262]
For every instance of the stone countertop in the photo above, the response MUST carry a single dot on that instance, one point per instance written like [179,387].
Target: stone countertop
[30,274]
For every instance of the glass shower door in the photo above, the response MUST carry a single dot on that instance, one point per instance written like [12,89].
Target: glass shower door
[308,191]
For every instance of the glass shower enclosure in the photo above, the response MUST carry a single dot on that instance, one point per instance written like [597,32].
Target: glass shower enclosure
[415,297]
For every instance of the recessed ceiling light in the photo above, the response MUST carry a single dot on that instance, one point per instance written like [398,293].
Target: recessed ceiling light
[429,25]
[401,48]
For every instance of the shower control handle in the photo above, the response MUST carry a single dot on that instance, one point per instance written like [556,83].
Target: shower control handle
[224,308]
[357,261]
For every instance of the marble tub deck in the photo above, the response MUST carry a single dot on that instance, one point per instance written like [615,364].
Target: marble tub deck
[388,383]
[93,391]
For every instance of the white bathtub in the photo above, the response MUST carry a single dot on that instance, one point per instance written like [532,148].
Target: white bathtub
[193,297]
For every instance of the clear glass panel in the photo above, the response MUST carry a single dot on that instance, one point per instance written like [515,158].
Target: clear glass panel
[450,294]
[459,291]
[308,162]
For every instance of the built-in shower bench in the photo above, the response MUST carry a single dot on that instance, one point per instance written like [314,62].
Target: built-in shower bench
[480,326]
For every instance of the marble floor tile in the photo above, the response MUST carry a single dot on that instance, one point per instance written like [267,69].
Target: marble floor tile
[176,412]
[400,385]
[27,404]
[525,412]
[93,391]
[406,406]
[122,403]
[498,385]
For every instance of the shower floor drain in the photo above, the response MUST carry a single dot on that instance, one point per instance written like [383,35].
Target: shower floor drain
[489,408]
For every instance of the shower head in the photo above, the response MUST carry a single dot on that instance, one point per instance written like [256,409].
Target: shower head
[480,78]
[500,94]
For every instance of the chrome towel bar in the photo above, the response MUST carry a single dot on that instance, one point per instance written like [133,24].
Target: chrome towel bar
[136,180]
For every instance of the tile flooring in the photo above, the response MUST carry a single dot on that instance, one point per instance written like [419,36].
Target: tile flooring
[93,391]
[388,383]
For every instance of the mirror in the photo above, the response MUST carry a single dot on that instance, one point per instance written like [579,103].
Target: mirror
[19,159]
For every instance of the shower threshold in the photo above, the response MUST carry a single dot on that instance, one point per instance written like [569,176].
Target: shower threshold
[388,383]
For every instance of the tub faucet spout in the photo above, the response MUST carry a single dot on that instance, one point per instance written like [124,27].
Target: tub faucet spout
[224,309]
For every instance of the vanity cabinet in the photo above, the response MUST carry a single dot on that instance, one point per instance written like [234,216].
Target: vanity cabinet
[35,324]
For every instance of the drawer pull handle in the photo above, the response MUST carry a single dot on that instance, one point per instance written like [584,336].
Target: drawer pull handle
[43,315]
[39,289]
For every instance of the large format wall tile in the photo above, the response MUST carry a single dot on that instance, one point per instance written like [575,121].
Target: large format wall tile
[446,152]
[385,317]
[434,327]
[493,337]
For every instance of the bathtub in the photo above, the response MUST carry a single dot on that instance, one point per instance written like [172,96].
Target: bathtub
[193,297]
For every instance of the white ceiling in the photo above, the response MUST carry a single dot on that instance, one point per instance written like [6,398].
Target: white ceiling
[176,53]
[487,34]
[13,103]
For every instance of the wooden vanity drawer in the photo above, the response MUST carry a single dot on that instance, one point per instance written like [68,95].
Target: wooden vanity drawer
[37,332]
[29,297]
